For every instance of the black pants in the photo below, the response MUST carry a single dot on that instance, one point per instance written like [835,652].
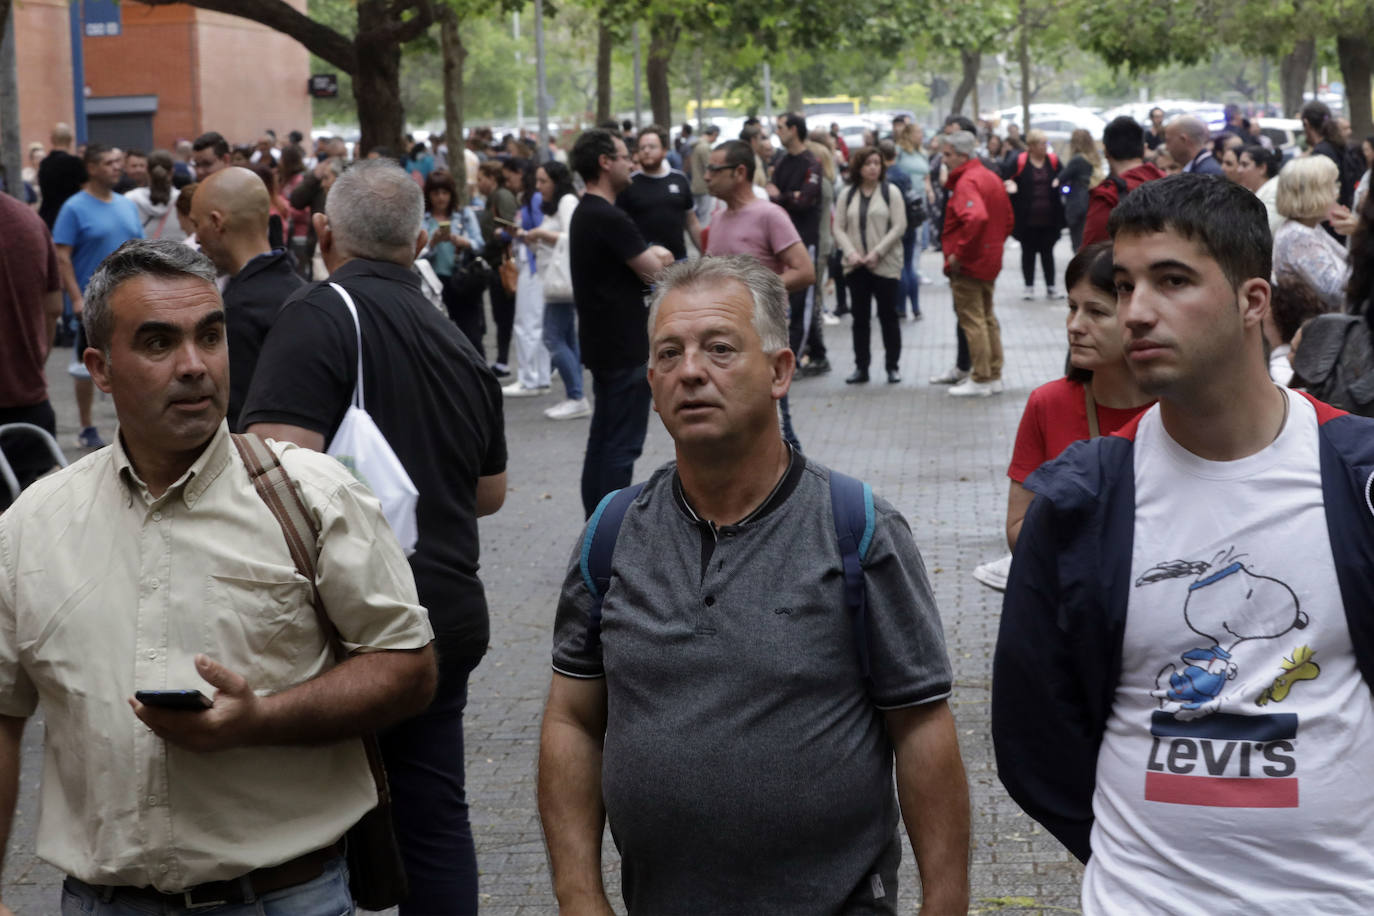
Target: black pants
[503,313]
[620,419]
[467,313]
[29,459]
[804,333]
[865,286]
[836,270]
[424,766]
[1038,240]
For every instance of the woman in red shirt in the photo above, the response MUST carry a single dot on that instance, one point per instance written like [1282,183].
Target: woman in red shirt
[1098,380]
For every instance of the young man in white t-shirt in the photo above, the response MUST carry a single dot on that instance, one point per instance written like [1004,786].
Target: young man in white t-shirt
[1182,681]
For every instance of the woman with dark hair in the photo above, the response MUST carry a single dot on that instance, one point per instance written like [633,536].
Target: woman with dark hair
[1292,301]
[157,202]
[290,173]
[454,237]
[532,374]
[1324,138]
[1362,184]
[870,219]
[1359,291]
[554,183]
[279,210]
[1097,396]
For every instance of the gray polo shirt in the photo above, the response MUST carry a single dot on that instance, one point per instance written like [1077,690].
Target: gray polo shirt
[746,766]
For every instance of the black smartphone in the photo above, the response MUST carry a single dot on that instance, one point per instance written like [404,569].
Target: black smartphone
[174,699]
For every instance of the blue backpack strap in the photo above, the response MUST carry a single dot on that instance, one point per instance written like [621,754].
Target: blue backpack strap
[851,501]
[598,546]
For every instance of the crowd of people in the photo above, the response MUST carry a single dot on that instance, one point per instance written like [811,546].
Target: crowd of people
[751,685]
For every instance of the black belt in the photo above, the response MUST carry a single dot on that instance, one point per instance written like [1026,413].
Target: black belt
[234,891]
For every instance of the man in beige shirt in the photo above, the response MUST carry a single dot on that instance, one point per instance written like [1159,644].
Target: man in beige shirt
[153,564]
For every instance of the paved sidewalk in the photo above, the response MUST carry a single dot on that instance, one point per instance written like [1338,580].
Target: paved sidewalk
[940,460]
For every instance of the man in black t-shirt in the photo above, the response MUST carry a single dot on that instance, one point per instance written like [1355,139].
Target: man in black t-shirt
[796,187]
[659,198]
[439,407]
[60,175]
[612,267]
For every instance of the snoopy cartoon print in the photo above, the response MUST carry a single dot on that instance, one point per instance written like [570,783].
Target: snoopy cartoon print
[1227,603]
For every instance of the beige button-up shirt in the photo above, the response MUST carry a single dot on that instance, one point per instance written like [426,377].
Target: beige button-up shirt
[105,590]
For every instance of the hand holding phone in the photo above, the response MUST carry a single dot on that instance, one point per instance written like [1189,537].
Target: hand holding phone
[174,699]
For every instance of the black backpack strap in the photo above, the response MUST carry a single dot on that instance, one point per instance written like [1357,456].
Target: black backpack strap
[851,502]
[598,547]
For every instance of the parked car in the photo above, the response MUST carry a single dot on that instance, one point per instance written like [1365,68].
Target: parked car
[1056,120]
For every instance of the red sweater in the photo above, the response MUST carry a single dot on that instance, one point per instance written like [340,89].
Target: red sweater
[978,219]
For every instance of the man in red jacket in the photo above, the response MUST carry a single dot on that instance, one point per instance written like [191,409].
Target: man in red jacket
[1123,141]
[978,219]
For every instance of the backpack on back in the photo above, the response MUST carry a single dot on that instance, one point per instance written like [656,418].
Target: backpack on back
[851,504]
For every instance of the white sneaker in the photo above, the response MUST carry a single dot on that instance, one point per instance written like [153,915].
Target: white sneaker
[517,390]
[951,376]
[968,388]
[828,317]
[1051,293]
[570,410]
[997,386]
[1029,294]
[994,573]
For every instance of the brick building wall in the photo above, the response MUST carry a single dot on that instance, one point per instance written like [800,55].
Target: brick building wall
[153,55]
[44,52]
[209,71]
[251,78]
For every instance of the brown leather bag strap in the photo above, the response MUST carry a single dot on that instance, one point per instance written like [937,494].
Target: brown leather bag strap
[298,527]
[1091,403]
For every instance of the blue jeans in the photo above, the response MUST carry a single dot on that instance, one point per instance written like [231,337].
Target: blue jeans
[620,419]
[911,287]
[327,895]
[424,766]
[560,339]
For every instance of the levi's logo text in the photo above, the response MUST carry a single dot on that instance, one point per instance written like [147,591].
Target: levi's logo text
[1216,738]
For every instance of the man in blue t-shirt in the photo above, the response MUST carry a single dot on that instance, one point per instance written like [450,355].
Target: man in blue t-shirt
[92,223]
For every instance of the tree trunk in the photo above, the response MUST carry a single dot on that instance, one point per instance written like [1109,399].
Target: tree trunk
[11,147]
[795,96]
[663,33]
[1293,70]
[377,94]
[454,56]
[603,73]
[969,62]
[1023,60]
[1356,54]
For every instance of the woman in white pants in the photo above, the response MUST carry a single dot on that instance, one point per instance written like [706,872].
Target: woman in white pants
[532,377]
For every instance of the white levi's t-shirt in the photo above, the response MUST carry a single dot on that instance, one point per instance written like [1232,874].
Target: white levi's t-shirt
[1236,774]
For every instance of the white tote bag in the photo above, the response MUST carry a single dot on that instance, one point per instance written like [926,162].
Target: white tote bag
[360,446]
[558,276]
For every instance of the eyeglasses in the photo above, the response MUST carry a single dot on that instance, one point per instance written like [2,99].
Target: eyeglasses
[720,168]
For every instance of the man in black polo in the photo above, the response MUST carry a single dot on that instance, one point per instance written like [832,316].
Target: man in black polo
[796,187]
[714,702]
[659,198]
[612,266]
[230,210]
[439,407]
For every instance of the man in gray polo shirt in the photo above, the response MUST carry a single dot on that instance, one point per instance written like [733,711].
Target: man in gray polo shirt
[713,705]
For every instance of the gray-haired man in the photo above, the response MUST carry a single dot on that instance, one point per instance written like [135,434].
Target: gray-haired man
[439,407]
[712,703]
[154,565]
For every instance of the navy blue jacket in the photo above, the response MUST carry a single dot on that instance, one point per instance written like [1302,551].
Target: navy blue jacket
[1058,657]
